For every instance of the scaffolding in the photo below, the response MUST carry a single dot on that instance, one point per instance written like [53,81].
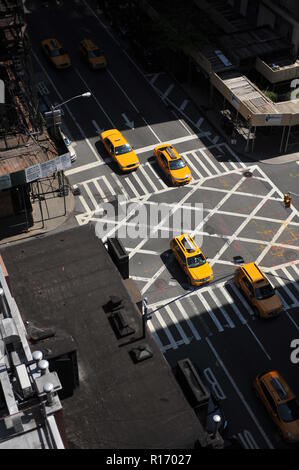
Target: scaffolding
[19,114]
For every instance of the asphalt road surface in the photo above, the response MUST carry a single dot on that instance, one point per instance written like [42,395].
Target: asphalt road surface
[234,208]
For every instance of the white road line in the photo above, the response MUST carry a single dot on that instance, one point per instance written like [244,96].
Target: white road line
[226,168]
[199,160]
[233,164]
[105,179]
[155,335]
[221,308]
[94,97]
[153,279]
[285,287]
[165,328]
[258,341]
[294,266]
[240,395]
[276,236]
[209,160]
[83,202]
[291,319]
[242,300]
[155,78]
[90,195]
[192,166]
[97,127]
[142,170]
[145,252]
[290,278]
[188,321]
[86,167]
[232,304]
[233,154]
[178,140]
[168,91]
[139,182]
[210,312]
[67,108]
[241,228]
[99,189]
[122,189]
[199,122]
[183,105]
[149,166]
[132,187]
[176,322]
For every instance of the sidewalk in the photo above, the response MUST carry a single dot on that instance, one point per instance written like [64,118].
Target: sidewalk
[55,212]
[266,147]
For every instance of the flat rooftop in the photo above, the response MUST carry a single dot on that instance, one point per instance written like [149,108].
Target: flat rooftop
[64,280]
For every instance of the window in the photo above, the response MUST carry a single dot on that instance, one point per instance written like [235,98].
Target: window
[289,411]
[269,398]
[177,164]
[197,260]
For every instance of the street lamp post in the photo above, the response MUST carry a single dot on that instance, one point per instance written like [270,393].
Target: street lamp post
[87,94]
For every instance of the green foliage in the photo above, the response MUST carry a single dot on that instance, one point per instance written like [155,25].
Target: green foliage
[271,95]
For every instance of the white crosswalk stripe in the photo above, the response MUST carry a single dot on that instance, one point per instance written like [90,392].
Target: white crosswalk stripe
[192,167]
[188,321]
[209,161]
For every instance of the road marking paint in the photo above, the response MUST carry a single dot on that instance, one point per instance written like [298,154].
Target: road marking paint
[276,236]
[153,279]
[201,163]
[177,324]
[67,108]
[132,187]
[90,195]
[242,226]
[183,106]
[105,179]
[166,330]
[148,164]
[285,287]
[232,164]
[168,91]
[232,304]
[199,122]
[155,335]
[82,200]
[136,177]
[258,341]
[142,170]
[188,321]
[97,127]
[192,166]
[155,78]
[209,160]
[178,140]
[213,296]
[122,189]
[291,319]
[81,168]
[224,144]
[241,298]
[99,189]
[210,312]
[94,97]
[240,395]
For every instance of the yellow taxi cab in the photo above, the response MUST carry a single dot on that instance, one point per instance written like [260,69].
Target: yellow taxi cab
[120,150]
[191,259]
[172,164]
[258,290]
[280,402]
[92,54]
[55,53]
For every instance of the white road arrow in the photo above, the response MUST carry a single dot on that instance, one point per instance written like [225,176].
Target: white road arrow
[128,123]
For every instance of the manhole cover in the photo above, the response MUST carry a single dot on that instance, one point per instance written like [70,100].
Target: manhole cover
[247,174]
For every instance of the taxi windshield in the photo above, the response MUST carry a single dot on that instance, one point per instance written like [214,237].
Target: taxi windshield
[95,53]
[57,52]
[289,411]
[121,149]
[196,260]
[264,292]
[177,164]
